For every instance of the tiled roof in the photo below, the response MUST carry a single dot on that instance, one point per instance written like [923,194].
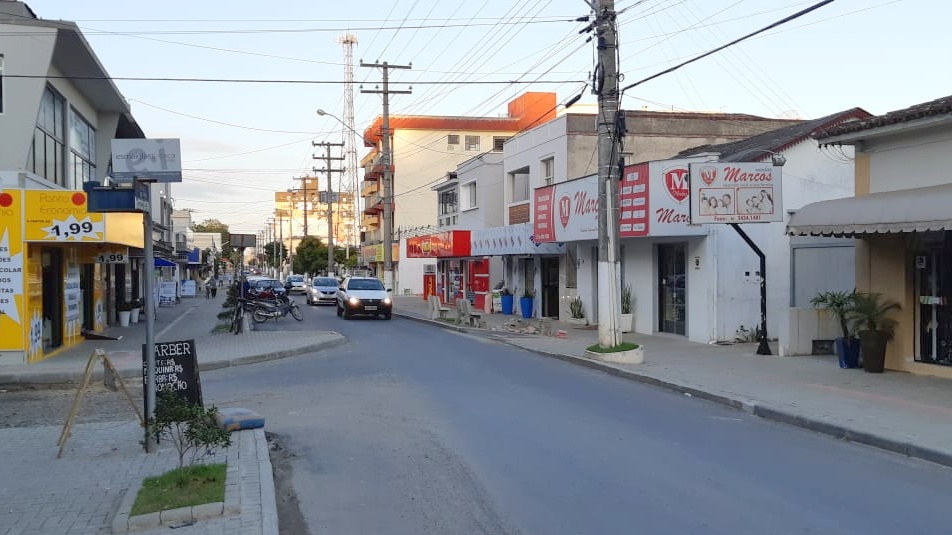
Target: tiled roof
[940,106]
[760,146]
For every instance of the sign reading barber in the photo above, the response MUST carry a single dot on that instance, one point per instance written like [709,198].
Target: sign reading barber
[146,159]
[735,192]
[176,370]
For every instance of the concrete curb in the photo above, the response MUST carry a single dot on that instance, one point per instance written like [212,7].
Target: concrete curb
[124,522]
[269,506]
[753,407]
[72,377]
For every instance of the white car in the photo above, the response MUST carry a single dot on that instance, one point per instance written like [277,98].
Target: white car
[297,283]
[363,295]
[322,290]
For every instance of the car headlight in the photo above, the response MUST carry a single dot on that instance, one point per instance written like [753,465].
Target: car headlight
[386,300]
[353,300]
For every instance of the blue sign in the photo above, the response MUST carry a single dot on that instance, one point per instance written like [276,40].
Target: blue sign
[113,199]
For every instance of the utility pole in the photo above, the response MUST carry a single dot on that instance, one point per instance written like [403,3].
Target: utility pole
[330,198]
[386,158]
[606,86]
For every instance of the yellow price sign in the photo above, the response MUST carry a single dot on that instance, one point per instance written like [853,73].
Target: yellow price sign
[61,216]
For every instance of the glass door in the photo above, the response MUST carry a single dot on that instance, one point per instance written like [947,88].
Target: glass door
[672,302]
[934,314]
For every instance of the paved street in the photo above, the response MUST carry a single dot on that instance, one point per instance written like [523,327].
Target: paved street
[412,429]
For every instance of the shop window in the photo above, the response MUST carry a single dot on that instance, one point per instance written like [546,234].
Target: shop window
[519,185]
[472,143]
[82,147]
[548,171]
[46,156]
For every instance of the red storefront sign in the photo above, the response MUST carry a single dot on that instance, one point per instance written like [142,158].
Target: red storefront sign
[633,212]
[450,244]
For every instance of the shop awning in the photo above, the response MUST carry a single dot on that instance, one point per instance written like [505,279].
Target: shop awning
[908,210]
[163,263]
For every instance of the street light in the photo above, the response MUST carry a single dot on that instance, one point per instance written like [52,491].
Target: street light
[351,168]
[778,160]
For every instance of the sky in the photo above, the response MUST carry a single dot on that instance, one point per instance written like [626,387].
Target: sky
[243,141]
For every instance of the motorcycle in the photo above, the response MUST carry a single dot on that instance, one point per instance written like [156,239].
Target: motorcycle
[265,310]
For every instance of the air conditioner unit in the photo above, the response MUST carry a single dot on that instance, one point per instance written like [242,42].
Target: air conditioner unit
[429,268]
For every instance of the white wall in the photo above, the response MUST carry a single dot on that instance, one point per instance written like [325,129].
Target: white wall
[923,161]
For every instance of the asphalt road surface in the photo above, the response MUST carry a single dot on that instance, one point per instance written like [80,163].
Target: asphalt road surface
[411,429]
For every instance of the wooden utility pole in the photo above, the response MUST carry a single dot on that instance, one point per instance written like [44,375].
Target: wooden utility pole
[329,197]
[386,158]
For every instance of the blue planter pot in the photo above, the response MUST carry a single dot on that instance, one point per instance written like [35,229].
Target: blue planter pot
[525,304]
[847,351]
[507,302]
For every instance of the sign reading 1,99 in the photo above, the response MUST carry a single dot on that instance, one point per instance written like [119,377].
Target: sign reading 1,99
[74,229]
[111,258]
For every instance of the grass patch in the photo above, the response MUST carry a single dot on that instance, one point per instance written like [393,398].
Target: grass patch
[448,320]
[182,487]
[222,327]
[624,346]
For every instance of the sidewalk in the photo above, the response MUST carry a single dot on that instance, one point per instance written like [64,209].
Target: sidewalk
[90,489]
[899,412]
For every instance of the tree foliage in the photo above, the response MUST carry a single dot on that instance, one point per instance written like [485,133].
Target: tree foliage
[192,430]
[273,249]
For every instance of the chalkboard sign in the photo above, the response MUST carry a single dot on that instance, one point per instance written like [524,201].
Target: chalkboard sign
[176,370]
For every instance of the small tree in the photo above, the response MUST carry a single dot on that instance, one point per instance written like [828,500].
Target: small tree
[193,431]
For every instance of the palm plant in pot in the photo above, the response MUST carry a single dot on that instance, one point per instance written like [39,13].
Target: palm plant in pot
[840,304]
[627,317]
[870,312]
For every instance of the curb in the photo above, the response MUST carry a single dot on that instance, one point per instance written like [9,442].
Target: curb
[746,405]
[124,522]
[443,324]
[63,377]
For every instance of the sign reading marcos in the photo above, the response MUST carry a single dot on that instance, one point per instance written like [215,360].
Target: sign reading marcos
[724,192]
[567,211]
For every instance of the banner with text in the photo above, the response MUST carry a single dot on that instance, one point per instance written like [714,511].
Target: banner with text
[567,211]
[11,270]
[723,192]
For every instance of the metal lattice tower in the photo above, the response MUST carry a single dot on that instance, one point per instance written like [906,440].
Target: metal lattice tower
[350,147]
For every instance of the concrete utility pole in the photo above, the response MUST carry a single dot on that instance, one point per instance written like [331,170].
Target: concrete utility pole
[330,198]
[386,158]
[606,86]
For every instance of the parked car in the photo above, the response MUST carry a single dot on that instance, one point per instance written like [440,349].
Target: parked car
[365,296]
[264,288]
[322,290]
[297,283]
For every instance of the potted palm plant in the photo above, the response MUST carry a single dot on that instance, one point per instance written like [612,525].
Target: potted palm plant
[870,312]
[627,317]
[840,304]
[577,309]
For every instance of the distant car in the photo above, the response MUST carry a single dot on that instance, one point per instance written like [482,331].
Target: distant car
[297,283]
[322,290]
[363,295]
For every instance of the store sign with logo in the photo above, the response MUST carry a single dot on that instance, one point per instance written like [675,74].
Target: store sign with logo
[735,192]
[661,208]
[60,216]
[11,271]
[510,239]
[567,211]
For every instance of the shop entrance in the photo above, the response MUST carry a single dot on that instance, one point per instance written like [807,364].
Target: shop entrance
[52,260]
[672,303]
[550,286]
[934,289]
[86,282]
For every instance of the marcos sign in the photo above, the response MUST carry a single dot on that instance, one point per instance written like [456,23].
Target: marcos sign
[567,211]
[735,192]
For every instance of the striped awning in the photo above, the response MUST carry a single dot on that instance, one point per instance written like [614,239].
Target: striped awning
[908,210]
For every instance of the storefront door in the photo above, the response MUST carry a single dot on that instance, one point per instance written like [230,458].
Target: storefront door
[52,260]
[550,286]
[672,302]
[933,267]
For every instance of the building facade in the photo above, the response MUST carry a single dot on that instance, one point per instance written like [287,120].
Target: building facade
[62,270]
[899,219]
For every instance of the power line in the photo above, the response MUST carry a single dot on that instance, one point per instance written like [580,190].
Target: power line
[265,81]
[782,21]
